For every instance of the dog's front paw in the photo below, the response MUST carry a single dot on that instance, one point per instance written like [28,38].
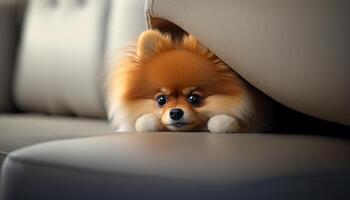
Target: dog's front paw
[148,123]
[223,124]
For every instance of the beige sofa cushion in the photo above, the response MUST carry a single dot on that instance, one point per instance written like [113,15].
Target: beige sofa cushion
[61,57]
[20,130]
[297,52]
[126,22]
[26,129]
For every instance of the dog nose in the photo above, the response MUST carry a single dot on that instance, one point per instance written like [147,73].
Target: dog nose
[176,114]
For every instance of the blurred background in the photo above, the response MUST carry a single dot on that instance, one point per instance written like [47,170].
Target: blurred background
[53,58]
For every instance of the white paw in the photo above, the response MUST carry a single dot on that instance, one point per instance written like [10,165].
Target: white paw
[148,123]
[223,124]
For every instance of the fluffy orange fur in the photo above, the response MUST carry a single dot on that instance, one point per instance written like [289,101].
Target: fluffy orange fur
[159,66]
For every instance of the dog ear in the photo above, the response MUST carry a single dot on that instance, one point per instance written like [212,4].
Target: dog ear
[192,43]
[149,42]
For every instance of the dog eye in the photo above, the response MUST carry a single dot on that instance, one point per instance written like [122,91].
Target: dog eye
[162,99]
[194,99]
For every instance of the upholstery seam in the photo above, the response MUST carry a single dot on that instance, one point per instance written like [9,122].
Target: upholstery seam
[3,153]
[152,7]
[149,12]
[74,169]
[82,170]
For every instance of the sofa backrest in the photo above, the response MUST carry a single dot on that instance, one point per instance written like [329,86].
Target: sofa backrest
[9,31]
[62,53]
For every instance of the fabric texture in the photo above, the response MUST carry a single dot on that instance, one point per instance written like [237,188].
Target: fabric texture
[61,58]
[294,51]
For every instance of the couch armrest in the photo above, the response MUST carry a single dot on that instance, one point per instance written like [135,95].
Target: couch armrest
[180,166]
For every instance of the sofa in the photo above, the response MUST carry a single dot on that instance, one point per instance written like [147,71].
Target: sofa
[53,65]
[56,142]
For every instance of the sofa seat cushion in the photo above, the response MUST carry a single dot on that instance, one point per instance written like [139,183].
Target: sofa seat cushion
[19,130]
[180,166]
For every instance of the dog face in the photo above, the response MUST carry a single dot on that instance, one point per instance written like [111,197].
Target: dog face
[183,84]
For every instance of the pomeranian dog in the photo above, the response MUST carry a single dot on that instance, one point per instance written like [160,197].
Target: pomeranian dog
[164,85]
